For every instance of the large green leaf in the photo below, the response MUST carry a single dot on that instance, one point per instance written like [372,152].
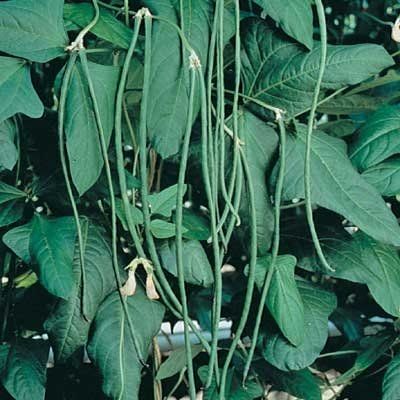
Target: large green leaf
[32,29]
[283,74]
[337,186]
[82,135]
[67,327]
[17,239]
[165,201]
[260,144]
[377,139]
[359,258]
[295,17]
[11,212]
[176,361]
[283,300]
[8,150]
[52,243]
[8,192]
[391,380]
[352,104]
[16,87]
[385,177]
[24,373]
[373,347]
[169,89]
[302,384]
[318,305]
[108,27]
[197,268]
[117,359]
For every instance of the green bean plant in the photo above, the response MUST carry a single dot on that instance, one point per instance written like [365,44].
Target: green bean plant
[207,162]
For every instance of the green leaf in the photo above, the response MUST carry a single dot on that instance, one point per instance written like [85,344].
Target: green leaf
[16,87]
[373,348]
[11,212]
[8,193]
[136,214]
[8,150]
[295,17]
[17,239]
[359,258]
[51,246]
[318,305]
[164,202]
[169,88]
[283,74]
[24,374]
[82,135]
[108,27]
[391,380]
[339,128]
[33,29]
[302,384]
[197,268]
[176,361]
[162,229]
[283,299]
[377,139]
[337,186]
[385,177]
[116,359]
[260,145]
[68,329]
[197,226]
[352,104]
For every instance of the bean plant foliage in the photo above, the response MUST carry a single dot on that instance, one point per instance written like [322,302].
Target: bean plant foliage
[199,161]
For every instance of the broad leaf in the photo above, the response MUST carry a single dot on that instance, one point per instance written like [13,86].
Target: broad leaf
[11,212]
[162,229]
[67,327]
[169,89]
[33,29]
[17,239]
[318,305]
[359,258]
[337,186]
[82,134]
[352,104]
[52,244]
[8,192]
[283,299]
[339,128]
[295,17]
[196,224]
[391,380]
[108,27]
[385,177]
[24,374]
[302,384]
[377,139]
[197,268]
[373,347]
[283,74]
[8,150]
[116,359]
[16,87]
[136,214]
[165,201]
[176,361]
[260,144]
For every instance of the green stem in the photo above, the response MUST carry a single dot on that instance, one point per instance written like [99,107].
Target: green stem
[107,168]
[61,116]
[179,240]
[275,247]
[307,162]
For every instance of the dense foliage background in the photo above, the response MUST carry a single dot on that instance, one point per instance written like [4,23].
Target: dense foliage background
[131,195]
